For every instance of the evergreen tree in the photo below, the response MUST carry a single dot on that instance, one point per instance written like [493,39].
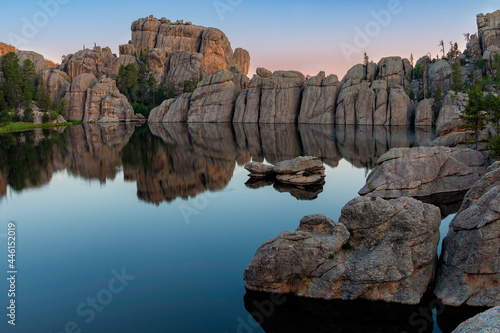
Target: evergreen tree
[13,80]
[4,117]
[474,114]
[492,105]
[457,77]
[29,74]
[42,97]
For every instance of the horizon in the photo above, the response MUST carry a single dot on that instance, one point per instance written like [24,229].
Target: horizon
[275,41]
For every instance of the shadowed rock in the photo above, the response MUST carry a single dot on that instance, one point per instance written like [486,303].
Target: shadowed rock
[470,270]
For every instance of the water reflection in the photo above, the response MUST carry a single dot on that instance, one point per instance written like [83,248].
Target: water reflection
[183,160]
[288,313]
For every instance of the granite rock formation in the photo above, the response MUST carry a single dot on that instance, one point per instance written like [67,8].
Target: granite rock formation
[470,269]
[424,171]
[379,250]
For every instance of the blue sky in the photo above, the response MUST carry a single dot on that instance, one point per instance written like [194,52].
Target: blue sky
[308,36]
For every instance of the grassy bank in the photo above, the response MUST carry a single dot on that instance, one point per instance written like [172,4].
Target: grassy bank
[20,127]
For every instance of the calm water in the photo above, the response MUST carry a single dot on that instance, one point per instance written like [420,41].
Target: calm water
[168,208]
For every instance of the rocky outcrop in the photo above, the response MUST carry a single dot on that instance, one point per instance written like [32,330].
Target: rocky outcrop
[470,269]
[150,33]
[248,102]
[184,66]
[489,29]
[214,98]
[318,100]
[449,116]
[372,94]
[93,100]
[379,250]
[38,59]
[173,110]
[424,113]
[439,74]
[395,71]
[56,82]
[96,61]
[280,100]
[105,103]
[488,321]
[77,95]
[242,60]
[424,171]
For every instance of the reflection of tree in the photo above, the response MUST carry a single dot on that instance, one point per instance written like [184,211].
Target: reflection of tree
[25,162]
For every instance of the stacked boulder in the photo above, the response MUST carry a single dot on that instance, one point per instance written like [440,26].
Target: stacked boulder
[304,170]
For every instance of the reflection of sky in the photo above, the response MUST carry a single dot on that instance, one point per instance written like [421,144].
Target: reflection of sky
[72,233]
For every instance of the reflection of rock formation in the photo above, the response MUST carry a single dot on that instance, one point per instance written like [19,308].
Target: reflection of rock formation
[94,150]
[309,192]
[180,160]
[286,313]
[186,161]
[279,313]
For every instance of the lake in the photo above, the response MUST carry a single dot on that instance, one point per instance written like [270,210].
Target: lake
[127,228]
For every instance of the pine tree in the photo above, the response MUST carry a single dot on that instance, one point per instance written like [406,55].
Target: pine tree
[457,77]
[492,105]
[42,97]
[13,80]
[474,114]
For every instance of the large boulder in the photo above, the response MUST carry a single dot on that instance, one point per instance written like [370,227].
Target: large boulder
[488,321]
[172,110]
[41,64]
[280,101]
[424,113]
[300,164]
[424,171]
[318,100]
[449,120]
[214,99]
[379,250]
[470,269]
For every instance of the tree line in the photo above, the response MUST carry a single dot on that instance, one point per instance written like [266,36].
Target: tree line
[20,86]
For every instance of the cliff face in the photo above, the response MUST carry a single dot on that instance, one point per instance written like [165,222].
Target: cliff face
[369,94]
[150,33]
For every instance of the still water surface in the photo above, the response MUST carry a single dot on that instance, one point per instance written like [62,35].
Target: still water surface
[167,209]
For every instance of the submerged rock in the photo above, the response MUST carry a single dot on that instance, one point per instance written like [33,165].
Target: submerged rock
[470,269]
[379,250]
